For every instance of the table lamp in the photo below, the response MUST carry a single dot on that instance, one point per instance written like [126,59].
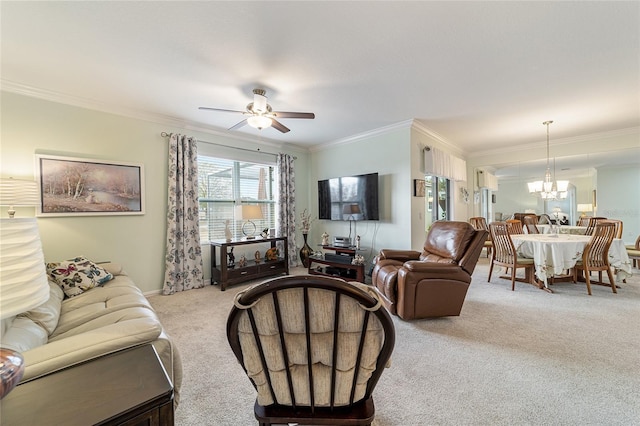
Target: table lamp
[23,285]
[352,210]
[248,212]
[18,193]
[584,209]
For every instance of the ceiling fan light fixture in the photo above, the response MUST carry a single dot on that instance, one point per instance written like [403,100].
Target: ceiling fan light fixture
[259,121]
[259,101]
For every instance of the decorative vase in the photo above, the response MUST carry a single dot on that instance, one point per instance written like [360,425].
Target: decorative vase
[305,251]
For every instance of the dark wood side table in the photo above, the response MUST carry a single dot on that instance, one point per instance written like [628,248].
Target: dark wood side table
[126,388]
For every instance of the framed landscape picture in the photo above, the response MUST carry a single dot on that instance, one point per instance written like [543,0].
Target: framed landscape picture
[82,187]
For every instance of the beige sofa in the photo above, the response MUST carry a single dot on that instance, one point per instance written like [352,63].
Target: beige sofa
[103,320]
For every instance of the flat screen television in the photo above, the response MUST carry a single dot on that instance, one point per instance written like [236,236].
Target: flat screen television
[349,198]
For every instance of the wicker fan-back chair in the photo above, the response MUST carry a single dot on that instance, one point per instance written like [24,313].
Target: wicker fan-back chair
[504,254]
[595,256]
[314,348]
[515,226]
[480,223]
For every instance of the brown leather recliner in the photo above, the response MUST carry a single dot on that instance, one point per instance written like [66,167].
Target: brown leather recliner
[434,282]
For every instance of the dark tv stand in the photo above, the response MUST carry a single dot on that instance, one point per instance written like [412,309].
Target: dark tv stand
[335,266]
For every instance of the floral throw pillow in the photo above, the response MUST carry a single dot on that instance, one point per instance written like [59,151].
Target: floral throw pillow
[77,275]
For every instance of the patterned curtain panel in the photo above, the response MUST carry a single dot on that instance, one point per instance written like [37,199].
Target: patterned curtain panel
[287,204]
[183,258]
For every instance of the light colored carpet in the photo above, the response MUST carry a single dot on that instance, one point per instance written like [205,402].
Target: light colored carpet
[512,358]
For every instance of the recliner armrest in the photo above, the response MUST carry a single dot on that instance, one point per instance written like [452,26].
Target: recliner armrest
[401,255]
[431,267]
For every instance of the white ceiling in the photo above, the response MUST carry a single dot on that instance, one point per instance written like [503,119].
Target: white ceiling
[482,75]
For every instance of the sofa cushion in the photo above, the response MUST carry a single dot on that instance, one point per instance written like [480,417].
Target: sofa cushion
[48,313]
[77,275]
[24,334]
[118,294]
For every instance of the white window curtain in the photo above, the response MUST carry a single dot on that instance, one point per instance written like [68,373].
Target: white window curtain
[487,180]
[442,164]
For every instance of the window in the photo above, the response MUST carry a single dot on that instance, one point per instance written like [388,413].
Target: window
[224,184]
[438,199]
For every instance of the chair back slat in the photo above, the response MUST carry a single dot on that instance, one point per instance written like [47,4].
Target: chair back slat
[583,221]
[307,329]
[544,219]
[363,334]
[618,226]
[503,249]
[530,223]
[263,359]
[596,252]
[514,226]
[593,221]
[479,223]
[334,359]
[283,346]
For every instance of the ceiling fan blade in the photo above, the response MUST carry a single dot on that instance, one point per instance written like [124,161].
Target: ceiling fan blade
[237,126]
[285,114]
[223,110]
[279,126]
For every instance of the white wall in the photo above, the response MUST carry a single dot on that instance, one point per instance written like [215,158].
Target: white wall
[387,154]
[618,197]
[30,126]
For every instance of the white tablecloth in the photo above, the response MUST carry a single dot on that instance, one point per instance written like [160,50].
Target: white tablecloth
[554,254]
[566,229]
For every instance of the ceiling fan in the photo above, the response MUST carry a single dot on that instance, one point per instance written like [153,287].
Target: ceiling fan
[260,114]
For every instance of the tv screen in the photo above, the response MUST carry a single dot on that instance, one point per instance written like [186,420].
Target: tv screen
[349,197]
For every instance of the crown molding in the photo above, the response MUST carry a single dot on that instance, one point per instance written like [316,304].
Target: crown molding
[557,142]
[165,120]
[364,135]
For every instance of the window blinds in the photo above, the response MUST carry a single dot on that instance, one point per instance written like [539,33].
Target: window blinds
[442,164]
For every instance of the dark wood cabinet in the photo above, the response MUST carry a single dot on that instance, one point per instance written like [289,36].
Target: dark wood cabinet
[129,387]
[223,274]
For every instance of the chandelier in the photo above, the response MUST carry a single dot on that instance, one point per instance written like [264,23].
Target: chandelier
[548,189]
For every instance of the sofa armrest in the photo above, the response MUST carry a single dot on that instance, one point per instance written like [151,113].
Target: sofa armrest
[83,347]
[400,255]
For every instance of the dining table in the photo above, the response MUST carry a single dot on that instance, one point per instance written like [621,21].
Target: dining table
[555,254]
[564,229]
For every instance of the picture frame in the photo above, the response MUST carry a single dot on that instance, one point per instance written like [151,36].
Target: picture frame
[418,187]
[73,186]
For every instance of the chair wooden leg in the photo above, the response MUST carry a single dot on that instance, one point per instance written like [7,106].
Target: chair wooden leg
[586,278]
[612,281]
[490,271]
[513,279]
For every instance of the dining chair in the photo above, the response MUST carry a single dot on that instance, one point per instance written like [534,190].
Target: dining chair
[618,225]
[593,221]
[583,221]
[313,347]
[515,226]
[634,252]
[545,219]
[530,224]
[480,223]
[505,254]
[595,256]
